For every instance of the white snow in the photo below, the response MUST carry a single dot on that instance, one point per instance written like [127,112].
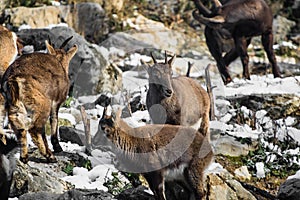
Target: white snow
[260,171]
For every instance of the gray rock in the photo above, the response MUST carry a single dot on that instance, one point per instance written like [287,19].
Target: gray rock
[127,43]
[135,194]
[81,194]
[88,19]
[75,194]
[30,179]
[290,190]
[69,134]
[39,195]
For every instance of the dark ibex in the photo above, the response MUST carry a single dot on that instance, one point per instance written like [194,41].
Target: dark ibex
[34,87]
[160,152]
[176,100]
[239,20]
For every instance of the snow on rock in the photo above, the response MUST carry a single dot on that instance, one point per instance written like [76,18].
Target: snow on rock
[297,175]
[263,85]
[260,171]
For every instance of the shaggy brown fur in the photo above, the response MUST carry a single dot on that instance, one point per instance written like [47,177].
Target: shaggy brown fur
[239,20]
[8,48]
[178,101]
[34,87]
[10,45]
[160,153]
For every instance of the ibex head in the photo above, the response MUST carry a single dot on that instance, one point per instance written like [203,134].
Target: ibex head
[108,122]
[160,75]
[63,56]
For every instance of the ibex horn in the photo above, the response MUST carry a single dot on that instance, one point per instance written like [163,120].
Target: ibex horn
[166,57]
[49,40]
[153,58]
[65,42]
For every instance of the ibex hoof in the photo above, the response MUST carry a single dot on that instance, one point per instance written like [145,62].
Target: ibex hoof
[57,149]
[51,159]
[24,160]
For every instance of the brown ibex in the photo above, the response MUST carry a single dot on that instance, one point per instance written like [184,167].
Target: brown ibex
[9,44]
[160,152]
[176,100]
[239,20]
[34,87]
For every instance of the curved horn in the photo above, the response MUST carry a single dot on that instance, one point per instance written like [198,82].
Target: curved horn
[217,3]
[49,40]
[153,58]
[166,58]
[211,22]
[202,9]
[65,42]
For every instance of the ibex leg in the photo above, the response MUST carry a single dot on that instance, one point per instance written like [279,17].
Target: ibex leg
[267,41]
[215,47]
[39,139]
[241,48]
[54,125]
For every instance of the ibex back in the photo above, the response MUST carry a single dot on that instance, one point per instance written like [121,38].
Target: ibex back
[178,101]
[34,87]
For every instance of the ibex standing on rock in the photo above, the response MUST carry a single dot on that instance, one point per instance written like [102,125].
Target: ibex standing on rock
[161,152]
[176,100]
[240,21]
[34,87]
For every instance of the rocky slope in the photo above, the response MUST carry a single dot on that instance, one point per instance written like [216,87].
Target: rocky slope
[254,120]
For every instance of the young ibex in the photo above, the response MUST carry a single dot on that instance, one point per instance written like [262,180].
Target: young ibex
[34,87]
[176,100]
[240,21]
[160,152]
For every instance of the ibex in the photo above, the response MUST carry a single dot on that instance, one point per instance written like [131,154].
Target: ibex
[240,21]
[176,100]
[10,46]
[160,152]
[34,87]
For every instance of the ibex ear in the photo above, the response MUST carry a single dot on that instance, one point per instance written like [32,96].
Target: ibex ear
[171,61]
[118,116]
[50,49]
[72,51]
[145,65]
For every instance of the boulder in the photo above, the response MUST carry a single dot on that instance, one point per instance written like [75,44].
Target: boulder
[30,179]
[281,28]
[75,194]
[222,186]
[290,189]
[127,43]
[88,19]
[161,37]
[88,70]
[37,17]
